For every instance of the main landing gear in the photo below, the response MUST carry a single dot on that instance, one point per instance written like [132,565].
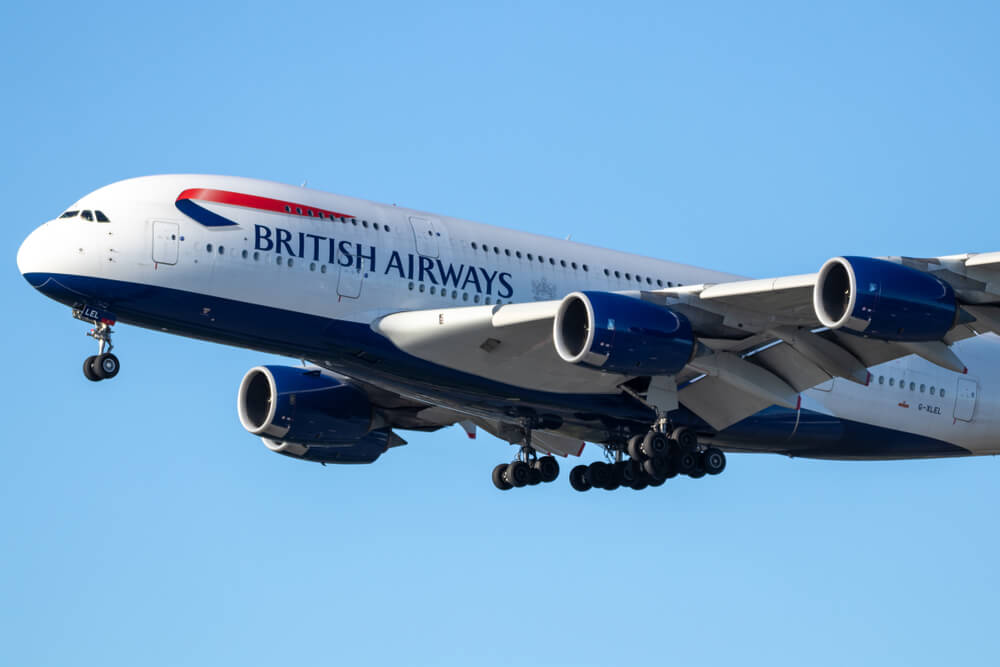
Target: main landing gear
[653,459]
[103,365]
[527,469]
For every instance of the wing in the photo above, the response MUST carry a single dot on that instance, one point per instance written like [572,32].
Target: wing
[755,342]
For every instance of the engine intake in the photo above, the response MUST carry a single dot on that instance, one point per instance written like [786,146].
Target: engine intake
[308,414]
[621,334]
[880,299]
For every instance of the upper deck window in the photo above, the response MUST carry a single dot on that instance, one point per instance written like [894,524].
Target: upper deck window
[101,217]
[69,214]
[87,215]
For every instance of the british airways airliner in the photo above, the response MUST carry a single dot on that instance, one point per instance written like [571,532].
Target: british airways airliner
[407,320]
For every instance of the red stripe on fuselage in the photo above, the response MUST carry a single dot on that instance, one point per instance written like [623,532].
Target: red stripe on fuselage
[259,203]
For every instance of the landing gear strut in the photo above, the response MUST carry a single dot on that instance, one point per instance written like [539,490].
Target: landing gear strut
[104,365]
[527,469]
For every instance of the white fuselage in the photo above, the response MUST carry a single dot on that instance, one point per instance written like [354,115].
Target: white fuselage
[369,260]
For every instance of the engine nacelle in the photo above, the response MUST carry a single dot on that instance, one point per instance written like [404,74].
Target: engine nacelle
[621,334]
[884,300]
[311,415]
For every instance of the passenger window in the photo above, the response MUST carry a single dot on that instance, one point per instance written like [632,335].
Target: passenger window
[87,215]
[881,379]
[941,393]
[922,388]
[69,214]
[933,390]
[892,382]
[913,386]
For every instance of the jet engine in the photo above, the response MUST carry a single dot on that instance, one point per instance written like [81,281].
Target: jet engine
[880,299]
[621,334]
[309,414]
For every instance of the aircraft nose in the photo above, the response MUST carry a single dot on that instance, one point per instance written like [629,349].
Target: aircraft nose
[30,254]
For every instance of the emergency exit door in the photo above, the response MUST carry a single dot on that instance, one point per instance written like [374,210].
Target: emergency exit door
[965,400]
[166,242]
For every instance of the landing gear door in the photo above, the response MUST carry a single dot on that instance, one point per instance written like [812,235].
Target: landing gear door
[965,400]
[166,242]
[425,235]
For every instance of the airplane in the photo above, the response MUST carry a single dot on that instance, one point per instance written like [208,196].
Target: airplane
[407,320]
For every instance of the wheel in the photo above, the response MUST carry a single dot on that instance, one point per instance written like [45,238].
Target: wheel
[655,443]
[713,461]
[686,461]
[656,467]
[534,476]
[697,473]
[88,369]
[598,474]
[107,366]
[517,474]
[498,478]
[578,478]
[657,482]
[629,473]
[634,447]
[686,438]
[641,483]
[549,467]
[614,479]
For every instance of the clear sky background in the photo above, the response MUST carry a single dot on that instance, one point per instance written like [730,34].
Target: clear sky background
[139,523]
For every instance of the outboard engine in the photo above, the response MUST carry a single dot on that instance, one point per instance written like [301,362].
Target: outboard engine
[879,299]
[621,334]
[309,414]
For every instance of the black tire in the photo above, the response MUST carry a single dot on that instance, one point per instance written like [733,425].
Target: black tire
[578,478]
[655,444]
[713,461]
[88,369]
[107,366]
[498,478]
[697,473]
[549,467]
[686,461]
[686,438]
[641,483]
[656,467]
[630,473]
[599,474]
[534,476]
[657,482]
[518,474]
[634,447]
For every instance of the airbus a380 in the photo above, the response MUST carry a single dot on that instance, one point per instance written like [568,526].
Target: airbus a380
[406,320]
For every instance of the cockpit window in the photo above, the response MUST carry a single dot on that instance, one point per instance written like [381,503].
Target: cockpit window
[69,214]
[101,217]
[87,215]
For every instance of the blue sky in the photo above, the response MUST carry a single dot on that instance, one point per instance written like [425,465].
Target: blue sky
[139,524]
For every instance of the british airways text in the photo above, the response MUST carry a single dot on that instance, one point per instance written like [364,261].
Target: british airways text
[408,266]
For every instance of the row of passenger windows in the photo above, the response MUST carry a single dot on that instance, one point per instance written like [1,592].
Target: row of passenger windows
[315,213]
[476,298]
[573,265]
[86,215]
[913,386]
[279,260]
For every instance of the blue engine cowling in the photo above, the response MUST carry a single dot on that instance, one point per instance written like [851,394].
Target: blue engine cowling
[880,299]
[308,414]
[621,334]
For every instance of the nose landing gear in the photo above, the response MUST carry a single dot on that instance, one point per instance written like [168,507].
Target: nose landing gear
[103,365]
